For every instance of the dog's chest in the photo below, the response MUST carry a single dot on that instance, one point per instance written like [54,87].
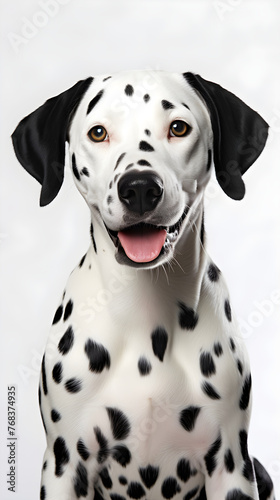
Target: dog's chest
[155,437]
[139,378]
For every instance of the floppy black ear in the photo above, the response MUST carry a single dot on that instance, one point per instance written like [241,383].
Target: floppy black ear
[239,132]
[39,139]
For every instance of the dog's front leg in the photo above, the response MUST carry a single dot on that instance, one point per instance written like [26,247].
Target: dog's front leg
[65,474]
[229,470]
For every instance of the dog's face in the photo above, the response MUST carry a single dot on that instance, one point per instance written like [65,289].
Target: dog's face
[140,147]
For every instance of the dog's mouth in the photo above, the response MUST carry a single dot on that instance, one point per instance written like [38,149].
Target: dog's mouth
[143,243]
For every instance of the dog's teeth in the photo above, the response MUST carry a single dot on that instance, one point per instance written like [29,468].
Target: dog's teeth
[171,237]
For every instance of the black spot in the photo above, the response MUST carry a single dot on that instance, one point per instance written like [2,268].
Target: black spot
[184,471]
[187,317]
[218,350]
[99,357]
[119,423]
[57,373]
[107,78]
[202,231]
[82,260]
[248,472]
[85,171]
[135,490]
[240,366]
[209,160]
[188,417]
[43,493]
[73,385]
[68,310]
[202,494]
[66,341]
[129,166]
[105,478]
[207,365]
[228,310]
[265,485]
[144,366]
[149,475]
[246,391]
[210,458]
[122,480]
[58,315]
[159,342]
[111,184]
[145,146]
[97,495]
[121,454]
[147,132]
[43,421]
[55,416]
[213,272]
[186,106]
[191,493]
[115,496]
[119,160]
[144,163]
[243,437]
[61,454]
[237,495]
[129,90]
[167,105]
[228,460]
[94,101]
[82,450]
[81,481]
[232,344]
[116,177]
[45,464]
[103,445]
[92,238]
[210,391]
[44,377]
[109,199]
[74,167]
[146,98]
[170,487]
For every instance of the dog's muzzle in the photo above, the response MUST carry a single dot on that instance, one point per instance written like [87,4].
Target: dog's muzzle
[140,193]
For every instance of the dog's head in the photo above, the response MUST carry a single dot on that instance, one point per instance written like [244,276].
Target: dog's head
[141,149]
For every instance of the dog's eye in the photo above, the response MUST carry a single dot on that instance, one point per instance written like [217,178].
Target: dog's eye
[178,128]
[98,133]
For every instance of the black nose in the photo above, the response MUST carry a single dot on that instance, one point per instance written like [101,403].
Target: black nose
[140,191]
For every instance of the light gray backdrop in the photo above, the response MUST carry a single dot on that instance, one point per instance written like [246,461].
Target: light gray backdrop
[47,45]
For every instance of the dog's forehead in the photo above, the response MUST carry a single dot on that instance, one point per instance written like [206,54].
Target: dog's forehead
[141,87]
[148,82]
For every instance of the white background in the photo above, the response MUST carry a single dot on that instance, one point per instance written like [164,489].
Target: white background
[232,42]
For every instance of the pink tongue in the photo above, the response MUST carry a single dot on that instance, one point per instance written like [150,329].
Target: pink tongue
[142,245]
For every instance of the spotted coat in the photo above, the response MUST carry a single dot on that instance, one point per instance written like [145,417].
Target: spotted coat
[145,387]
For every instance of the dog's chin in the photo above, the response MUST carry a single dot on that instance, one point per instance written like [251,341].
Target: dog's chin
[146,246]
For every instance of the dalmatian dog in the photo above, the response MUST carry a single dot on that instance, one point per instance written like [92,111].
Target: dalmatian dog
[145,387]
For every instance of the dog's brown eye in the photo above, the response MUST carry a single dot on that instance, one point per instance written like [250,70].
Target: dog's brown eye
[178,128]
[98,133]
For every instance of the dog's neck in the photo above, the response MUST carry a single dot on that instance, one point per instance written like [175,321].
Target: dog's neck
[156,288]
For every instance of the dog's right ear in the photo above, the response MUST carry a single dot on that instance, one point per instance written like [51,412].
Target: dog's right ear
[39,139]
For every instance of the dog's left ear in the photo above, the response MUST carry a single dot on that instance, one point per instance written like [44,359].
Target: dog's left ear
[39,139]
[239,132]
